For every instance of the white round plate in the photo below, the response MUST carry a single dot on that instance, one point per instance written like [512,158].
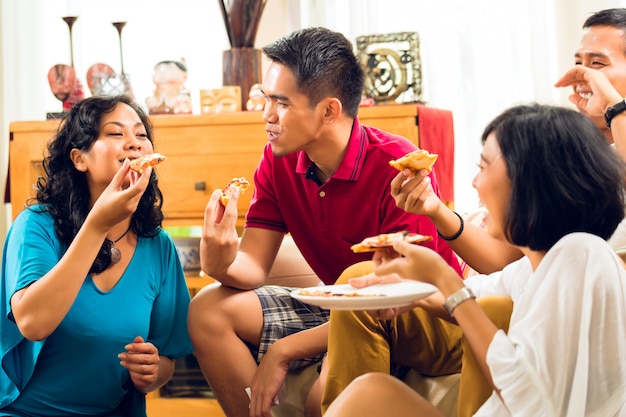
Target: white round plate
[374,297]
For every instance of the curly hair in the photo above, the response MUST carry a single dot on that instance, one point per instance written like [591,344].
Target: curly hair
[64,192]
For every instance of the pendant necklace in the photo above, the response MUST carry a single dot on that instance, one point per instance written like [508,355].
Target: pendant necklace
[116,255]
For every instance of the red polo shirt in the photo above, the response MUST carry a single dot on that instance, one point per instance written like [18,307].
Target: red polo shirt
[355,203]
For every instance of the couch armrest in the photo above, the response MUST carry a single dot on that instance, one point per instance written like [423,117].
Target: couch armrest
[290,269]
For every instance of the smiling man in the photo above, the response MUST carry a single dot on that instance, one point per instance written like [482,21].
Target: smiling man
[598,81]
[599,77]
[324,178]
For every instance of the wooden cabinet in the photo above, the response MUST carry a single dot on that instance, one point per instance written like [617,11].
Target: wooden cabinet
[204,153]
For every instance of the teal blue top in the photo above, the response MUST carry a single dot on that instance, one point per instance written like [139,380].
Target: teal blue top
[76,370]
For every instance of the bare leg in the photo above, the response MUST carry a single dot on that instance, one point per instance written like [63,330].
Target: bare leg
[378,394]
[313,404]
[221,320]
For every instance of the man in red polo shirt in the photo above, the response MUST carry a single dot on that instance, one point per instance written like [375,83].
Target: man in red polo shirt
[325,179]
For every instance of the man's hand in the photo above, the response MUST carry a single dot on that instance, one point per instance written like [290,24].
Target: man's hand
[593,92]
[220,241]
[267,383]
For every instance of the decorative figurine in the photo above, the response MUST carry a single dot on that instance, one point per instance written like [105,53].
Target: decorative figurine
[124,79]
[226,99]
[104,81]
[62,79]
[256,100]
[170,95]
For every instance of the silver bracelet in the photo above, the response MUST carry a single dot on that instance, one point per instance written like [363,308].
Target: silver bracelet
[457,299]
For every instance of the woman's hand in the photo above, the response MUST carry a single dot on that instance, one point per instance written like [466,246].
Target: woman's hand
[413,192]
[417,263]
[372,279]
[117,202]
[142,361]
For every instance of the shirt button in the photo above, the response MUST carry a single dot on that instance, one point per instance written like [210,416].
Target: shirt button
[322,194]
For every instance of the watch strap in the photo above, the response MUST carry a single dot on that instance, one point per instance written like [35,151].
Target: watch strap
[453,301]
[613,111]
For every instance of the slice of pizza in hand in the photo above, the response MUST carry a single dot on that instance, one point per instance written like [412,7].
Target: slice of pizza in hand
[385,240]
[240,183]
[415,161]
[140,164]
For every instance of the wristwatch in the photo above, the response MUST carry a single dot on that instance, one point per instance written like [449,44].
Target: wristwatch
[457,298]
[613,111]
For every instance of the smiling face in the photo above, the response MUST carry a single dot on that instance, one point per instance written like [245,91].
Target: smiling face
[494,187]
[292,123]
[121,135]
[603,48]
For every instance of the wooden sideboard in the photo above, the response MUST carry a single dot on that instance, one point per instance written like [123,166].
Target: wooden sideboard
[204,153]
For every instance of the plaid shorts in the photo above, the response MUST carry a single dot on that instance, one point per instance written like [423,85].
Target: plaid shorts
[284,315]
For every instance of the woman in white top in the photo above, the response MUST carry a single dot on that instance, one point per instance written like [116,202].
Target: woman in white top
[555,189]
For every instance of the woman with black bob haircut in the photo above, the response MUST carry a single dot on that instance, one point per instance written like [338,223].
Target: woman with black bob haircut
[548,203]
[94,298]
[546,335]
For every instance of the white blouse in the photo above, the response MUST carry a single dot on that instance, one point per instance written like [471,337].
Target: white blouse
[565,352]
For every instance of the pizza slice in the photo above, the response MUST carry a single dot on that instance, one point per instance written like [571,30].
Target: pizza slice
[240,183]
[140,164]
[385,240]
[416,160]
[327,293]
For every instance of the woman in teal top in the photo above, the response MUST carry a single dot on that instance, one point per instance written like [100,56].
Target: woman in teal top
[94,300]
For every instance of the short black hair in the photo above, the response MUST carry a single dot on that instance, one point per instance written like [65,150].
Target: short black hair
[609,17]
[323,63]
[564,175]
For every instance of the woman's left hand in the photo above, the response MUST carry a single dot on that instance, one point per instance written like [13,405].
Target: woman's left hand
[142,361]
[417,263]
[372,279]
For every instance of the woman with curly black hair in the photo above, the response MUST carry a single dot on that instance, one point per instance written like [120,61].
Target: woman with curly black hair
[94,296]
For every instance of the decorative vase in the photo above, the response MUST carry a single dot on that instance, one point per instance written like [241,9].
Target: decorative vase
[242,67]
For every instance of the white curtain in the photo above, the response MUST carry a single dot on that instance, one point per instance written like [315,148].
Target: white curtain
[478,57]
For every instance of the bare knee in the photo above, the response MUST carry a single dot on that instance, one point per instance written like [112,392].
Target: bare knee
[204,310]
[371,383]
[368,388]
[217,310]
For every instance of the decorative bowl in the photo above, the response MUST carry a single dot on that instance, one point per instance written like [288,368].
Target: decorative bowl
[188,249]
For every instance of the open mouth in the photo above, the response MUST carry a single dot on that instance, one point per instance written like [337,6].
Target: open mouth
[583,92]
[130,159]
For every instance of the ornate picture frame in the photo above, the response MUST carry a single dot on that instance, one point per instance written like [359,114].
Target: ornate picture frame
[392,65]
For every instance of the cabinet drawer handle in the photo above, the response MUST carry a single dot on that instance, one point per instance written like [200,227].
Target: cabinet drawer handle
[200,186]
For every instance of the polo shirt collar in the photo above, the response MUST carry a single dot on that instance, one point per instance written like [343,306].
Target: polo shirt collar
[352,162]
